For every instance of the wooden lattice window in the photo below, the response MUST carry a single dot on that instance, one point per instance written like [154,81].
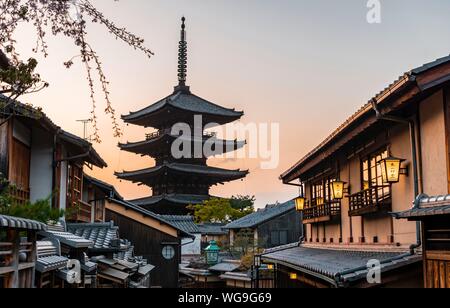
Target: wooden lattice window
[19,171]
[74,185]
[371,173]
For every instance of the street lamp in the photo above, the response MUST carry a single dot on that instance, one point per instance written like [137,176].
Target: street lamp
[212,253]
[391,170]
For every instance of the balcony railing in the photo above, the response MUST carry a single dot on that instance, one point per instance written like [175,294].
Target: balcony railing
[373,200]
[322,212]
[81,212]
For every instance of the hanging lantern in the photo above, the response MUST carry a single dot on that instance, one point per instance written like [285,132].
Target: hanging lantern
[293,276]
[338,190]
[300,204]
[212,253]
[391,170]
[270,267]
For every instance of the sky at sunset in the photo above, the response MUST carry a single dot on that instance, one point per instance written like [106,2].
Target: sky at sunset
[307,65]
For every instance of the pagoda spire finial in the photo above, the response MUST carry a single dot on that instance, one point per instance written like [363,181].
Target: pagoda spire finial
[182,56]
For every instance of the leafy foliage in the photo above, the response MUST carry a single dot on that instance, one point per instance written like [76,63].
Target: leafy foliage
[68,18]
[218,210]
[40,210]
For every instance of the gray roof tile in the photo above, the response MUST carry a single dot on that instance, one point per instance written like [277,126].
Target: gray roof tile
[339,266]
[185,223]
[427,206]
[187,102]
[261,216]
[21,223]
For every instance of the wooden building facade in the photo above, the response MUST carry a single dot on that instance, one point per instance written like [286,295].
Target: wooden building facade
[408,120]
[434,215]
[155,239]
[277,224]
[41,161]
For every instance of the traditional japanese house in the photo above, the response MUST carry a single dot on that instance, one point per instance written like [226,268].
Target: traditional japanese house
[390,151]
[190,247]
[434,214]
[157,240]
[41,161]
[180,180]
[95,193]
[214,232]
[18,251]
[275,225]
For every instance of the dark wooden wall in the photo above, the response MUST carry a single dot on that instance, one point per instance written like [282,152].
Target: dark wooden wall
[289,222]
[149,242]
[436,235]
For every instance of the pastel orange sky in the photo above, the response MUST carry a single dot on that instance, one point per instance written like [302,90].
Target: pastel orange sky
[307,65]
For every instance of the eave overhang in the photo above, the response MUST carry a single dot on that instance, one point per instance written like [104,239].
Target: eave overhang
[208,174]
[181,106]
[163,142]
[408,88]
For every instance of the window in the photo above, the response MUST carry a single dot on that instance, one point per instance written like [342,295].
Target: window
[322,191]
[371,173]
[19,171]
[168,252]
[74,185]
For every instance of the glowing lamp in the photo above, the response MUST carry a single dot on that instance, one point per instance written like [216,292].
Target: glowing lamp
[391,170]
[300,204]
[338,190]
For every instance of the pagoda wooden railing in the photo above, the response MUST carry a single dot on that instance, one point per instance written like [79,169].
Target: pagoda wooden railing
[321,212]
[372,200]
[159,133]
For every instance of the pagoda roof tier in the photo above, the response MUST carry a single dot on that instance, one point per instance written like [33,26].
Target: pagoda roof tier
[181,107]
[173,204]
[172,198]
[203,174]
[161,143]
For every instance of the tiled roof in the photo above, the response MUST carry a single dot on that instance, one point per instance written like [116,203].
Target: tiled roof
[21,223]
[146,147]
[427,206]
[183,168]
[174,198]
[185,223]
[225,267]
[103,235]
[261,216]
[69,239]
[338,266]
[212,229]
[403,80]
[108,189]
[187,102]
[134,207]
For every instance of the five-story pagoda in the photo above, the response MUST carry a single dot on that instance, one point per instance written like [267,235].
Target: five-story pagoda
[178,181]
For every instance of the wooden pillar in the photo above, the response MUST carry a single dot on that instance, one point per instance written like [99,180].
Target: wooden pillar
[12,281]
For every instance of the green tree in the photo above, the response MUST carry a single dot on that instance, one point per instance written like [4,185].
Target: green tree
[244,204]
[219,210]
